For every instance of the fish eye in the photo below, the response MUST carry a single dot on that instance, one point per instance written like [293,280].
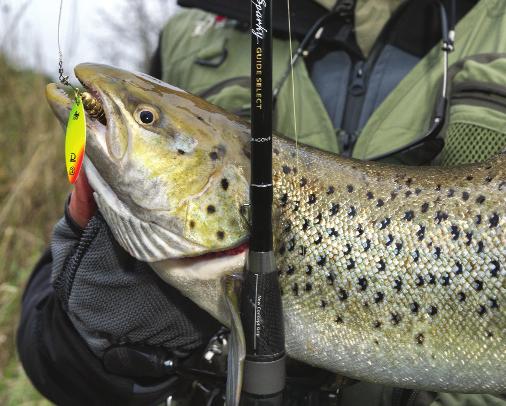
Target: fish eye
[145,115]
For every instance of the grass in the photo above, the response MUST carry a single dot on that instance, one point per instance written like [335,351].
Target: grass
[33,187]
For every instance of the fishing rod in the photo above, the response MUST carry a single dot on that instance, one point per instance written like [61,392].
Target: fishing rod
[261,311]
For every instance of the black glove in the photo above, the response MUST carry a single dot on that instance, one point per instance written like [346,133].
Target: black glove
[113,300]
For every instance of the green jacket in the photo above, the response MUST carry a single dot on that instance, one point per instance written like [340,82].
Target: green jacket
[475,127]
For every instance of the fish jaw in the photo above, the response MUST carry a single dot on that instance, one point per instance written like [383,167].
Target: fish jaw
[171,186]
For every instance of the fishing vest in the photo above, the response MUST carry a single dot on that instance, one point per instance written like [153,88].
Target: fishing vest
[209,56]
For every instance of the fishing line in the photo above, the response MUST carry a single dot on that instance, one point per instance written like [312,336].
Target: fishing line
[64,79]
[293,87]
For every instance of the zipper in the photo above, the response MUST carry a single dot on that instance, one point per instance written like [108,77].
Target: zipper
[243,81]
[358,84]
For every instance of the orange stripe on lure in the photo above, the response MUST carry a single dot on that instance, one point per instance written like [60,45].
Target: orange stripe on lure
[75,140]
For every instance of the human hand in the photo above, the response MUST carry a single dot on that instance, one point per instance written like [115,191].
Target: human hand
[82,206]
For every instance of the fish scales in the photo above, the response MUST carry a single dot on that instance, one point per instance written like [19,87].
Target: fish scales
[391,267]
[389,274]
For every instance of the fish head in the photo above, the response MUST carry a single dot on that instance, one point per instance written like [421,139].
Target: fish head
[170,171]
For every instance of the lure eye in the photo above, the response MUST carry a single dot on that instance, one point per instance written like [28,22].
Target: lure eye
[146,115]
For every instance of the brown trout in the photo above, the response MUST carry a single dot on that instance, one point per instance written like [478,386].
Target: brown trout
[389,274]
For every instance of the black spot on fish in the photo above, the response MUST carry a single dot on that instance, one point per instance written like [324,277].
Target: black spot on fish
[276,151]
[282,249]
[330,278]
[303,182]
[308,287]
[339,319]
[398,248]
[393,195]
[334,209]
[378,297]
[347,250]
[349,188]
[330,190]
[379,203]
[224,183]
[437,253]
[432,310]
[287,228]
[480,199]
[213,155]
[318,218]
[352,212]
[309,269]
[421,233]
[384,223]
[377,324]
[432,279]
[181,152]
[469,237]
[389,240]
[396,318]
[362,282]
[283,199]
[342,294]
[488,179]
[375,341]
[478,285]
[420,338]
[462,296]
[489,334]
[414,307]
[381,265]
[480,247]
[332,232]
[318,239]
[438,188]
[482,310]
[370,195]
[290,270]
[220,234]
[415,255]
[408,193]
[458,268]
[350,264]
[302,251]
[445,280]
[478,219]
[321,260]
[493,220]
[409,215]
[418,191]
[455,232]
[492,302]
[425,207]
[451,193]
[409,181]
[419,281]
[323,304]
[211,209]
[440,216]
[469,177]
[366,245]
[291,244]
[305,225]
[360,230]
[295,289]
[502,185]
[286,169]
[465,196]
[296,206]
[495,267]
[311,199]
[192,224]
[398,285]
